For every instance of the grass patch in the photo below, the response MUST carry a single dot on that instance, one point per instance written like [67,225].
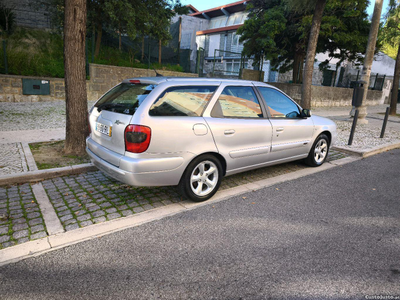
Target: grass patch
[50,155]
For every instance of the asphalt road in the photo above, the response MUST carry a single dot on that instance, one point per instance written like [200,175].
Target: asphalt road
[332,235]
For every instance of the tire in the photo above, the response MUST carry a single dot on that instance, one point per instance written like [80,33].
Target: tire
[318,152]
[201,179]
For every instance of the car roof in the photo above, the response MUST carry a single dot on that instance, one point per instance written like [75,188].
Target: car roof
[158,80]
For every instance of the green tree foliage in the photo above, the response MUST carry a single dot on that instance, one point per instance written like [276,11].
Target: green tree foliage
[391,36]
[279,30]
[390,33]
[122,17]
[272,31]
[344,31]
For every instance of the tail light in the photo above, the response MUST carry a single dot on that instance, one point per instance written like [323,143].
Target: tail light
[137,138]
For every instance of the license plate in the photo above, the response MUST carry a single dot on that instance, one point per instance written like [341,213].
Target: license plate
[104,129]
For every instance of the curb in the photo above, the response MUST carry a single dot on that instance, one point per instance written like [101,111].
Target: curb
[39,175]
[373,151]
[61,240]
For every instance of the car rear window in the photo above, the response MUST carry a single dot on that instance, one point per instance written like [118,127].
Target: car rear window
[182,101]
[125,98]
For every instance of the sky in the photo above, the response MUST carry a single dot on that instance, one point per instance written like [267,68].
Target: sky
[207,4]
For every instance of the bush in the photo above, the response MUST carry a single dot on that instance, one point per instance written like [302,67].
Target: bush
[33,52]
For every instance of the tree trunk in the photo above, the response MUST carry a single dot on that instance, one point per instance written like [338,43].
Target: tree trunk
[369,56]
[395,88]
[159,52]
[297,67]
[119,38]
[301,70]
[75,77]
[98,39]
[311,48]
[142,49]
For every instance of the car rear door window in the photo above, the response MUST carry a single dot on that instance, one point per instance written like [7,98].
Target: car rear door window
[125,98]
[182,101]
[279,106]
[237,102]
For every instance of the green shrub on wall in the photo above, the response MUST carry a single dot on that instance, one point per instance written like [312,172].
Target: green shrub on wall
[33,52]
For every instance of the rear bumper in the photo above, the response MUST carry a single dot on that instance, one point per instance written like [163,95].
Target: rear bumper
[140,172]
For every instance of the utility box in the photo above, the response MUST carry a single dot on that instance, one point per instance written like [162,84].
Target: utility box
[358,94]
[35,87]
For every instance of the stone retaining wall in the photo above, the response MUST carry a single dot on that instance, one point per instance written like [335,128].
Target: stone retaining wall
[11,89]
[326,96]
[102,78]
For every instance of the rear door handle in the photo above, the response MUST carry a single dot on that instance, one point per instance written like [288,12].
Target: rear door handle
[229,132]
[279,129]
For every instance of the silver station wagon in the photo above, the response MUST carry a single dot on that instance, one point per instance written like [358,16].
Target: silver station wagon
[191,132]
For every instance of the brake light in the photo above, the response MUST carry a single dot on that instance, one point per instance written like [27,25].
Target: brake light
[134,81]
[137,138]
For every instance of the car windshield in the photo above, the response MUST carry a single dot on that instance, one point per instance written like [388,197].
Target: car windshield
[125,98]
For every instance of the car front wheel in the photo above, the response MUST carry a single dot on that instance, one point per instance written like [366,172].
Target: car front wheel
[201,179]
[318,152]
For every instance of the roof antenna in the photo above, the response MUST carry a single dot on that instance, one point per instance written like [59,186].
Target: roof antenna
[157,74]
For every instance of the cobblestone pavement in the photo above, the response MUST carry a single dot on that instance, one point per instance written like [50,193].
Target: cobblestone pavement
[92,197]
[35,115]
[20,217]
[12,159]
[85,199]
[367,136]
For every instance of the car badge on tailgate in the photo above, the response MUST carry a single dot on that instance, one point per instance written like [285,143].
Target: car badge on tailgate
[118,122]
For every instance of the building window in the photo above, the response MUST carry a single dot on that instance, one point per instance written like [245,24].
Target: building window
[236,45]
[235,40]
[237,18]
[232,67]
[218,22]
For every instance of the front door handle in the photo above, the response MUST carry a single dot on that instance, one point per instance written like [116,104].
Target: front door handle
[229,132]
[279,129]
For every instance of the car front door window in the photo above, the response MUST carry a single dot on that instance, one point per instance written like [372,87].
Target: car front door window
[279,106]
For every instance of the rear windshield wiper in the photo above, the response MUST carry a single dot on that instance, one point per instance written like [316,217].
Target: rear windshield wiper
[109,105]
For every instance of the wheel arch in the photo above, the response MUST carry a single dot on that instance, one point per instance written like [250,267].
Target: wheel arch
[216,155]
[328,134]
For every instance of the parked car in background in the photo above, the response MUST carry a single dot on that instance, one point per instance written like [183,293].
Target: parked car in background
[191,132]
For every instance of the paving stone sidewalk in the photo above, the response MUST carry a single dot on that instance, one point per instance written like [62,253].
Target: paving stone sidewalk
[20,217]
[92,197]
[12,159]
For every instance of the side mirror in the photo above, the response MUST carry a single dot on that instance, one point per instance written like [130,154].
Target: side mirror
[306,113]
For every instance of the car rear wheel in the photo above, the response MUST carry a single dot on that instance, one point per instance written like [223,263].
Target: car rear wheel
[201,179]
[319,151]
